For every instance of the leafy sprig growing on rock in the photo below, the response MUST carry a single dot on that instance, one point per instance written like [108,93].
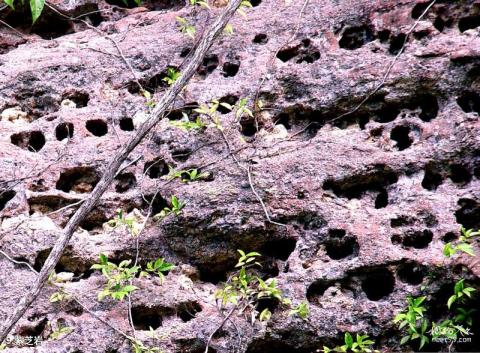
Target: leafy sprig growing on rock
[245,289]
[172,76]
[118,278]
[175,209]
[361,344]
[200,3]
[464,243]
[185,175]
[413,320]
[36,7]
[186,124]
[158,267]
[132,221]
[185,27]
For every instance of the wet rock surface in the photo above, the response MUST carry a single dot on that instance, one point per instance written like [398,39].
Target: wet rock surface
[367,200]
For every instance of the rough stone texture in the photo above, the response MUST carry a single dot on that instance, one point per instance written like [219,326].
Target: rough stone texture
[368,200]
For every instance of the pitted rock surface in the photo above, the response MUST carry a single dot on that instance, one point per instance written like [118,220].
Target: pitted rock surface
[367,199]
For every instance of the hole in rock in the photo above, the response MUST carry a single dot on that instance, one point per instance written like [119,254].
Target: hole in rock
[267,303]
[63,131]
[419,9]
[376,178]
[94,221]
[432,177]
[460,174]
[260,38]
[356,37]
[47,203]
[194,345]
[387,114]
[317,289]
[378,284]
[288,53]
[79,98]
[144,317]
[469,22]
[5,197]
[400,134]
[188,311]
[384,35]
[152,5]
[279,248]
[32,141]
[158,203]
[428,104]
[469,102]
[396,43]
[185,52]
[255,2]
[411,273]
[125,182]
[67,263]
[439,23]
[230,69]
[126,124]
[48,26]
[209,64]
[401,221]
[418,239]
[229,99]
[181,156]
[156,169]
[341,247]
[449,237]
[248,127]
[97,127]
[291,344]
[469,213]
[32,328]
[78,179]
[381,201]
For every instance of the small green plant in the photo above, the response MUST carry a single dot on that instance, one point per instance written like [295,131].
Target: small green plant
[210,110]
[460,292]
[186,124]
[158,267]
[199,3]
[118,278]
[361,344]
[131,222]
[185,27]
[60,332]
[244,290]
[243,6]
[228,30]
[302,310]
[36,7]
[138,347]
[463,244]
[176,209]
[242,109]
[148,96]
[413,320]
[185,175]
[172,76]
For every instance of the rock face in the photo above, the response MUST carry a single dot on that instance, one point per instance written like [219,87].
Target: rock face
[367,199]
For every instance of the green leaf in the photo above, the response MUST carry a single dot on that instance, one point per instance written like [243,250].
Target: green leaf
[466,248]
[9,3]
[36,6]
[404,340]
[348,339]
[451,300]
